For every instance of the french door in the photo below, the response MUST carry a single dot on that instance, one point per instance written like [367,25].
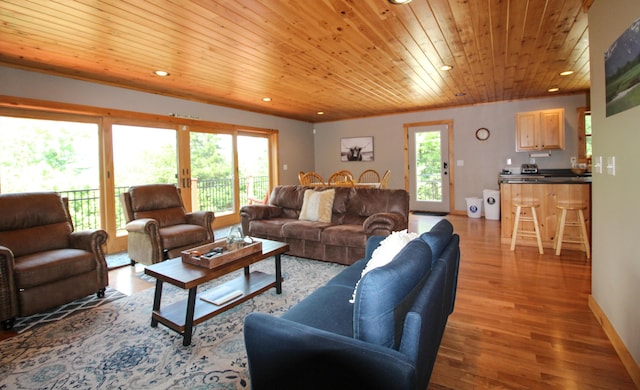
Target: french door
[429,168]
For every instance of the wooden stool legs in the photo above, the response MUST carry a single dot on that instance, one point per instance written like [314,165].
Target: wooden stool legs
[584,238]
[526,233]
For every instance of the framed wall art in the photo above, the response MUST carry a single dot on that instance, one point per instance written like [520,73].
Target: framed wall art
[622,67]
[356,149]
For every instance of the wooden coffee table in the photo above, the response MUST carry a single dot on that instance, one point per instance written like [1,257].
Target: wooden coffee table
[182,316]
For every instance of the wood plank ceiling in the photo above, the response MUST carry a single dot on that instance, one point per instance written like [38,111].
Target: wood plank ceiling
[346,58]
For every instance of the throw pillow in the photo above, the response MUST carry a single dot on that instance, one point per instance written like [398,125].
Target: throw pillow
[317,205]
[385,252]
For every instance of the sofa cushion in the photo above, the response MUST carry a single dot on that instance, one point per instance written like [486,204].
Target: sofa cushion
[33,222]
[317,205]
[161,202]
[386,252]
[383,295]
[438,237]
[180,235]
[303,230]
[268,227]
[344,235]
[327,309]
[50,266]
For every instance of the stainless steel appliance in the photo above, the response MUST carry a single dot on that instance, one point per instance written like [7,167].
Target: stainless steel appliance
[529,168]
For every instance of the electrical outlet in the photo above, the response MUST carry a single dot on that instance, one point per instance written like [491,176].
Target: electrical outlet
[532,160]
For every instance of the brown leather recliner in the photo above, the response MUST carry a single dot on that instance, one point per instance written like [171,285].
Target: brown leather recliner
[43,262]
[158,226]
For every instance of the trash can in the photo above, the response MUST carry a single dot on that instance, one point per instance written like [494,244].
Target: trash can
[474,207]
[491,204]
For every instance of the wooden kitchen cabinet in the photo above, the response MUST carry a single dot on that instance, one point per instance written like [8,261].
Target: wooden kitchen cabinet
[540,130]
[548,195]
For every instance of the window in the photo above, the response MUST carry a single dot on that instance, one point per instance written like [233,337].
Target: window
[92,157]
[584,134]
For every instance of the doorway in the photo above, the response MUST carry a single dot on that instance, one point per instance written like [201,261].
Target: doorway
[430,148]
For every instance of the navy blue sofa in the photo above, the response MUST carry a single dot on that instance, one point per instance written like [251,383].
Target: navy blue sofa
[387,339]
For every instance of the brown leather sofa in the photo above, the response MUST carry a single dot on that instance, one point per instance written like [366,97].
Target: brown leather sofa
[158,226]
[357,214]
[43,262]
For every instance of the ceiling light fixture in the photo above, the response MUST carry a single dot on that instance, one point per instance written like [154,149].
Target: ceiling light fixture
[460,94]
[554,89]
[266,99]
[446,67]
[397,2]
[161,73]
[320,112]
[566,73]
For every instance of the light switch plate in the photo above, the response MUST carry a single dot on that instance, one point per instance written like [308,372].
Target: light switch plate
[611,165]
[598,164]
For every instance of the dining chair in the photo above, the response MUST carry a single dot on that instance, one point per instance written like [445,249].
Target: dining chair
[311,179]
[341,178]
[384,182]
[369,176]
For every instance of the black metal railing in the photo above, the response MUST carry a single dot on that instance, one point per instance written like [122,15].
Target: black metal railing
[215,195]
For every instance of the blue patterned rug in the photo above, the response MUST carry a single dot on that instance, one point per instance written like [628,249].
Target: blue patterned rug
[113,345]
[90,301]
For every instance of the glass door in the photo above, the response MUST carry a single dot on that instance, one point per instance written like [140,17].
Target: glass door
[429,167]
[253,169]
[211,183]
[141,155]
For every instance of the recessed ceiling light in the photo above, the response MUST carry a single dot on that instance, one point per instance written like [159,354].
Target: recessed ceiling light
[566,73]
[320,112]
[446,67]
[161,73]
[266,99]
[461,94]
[554,89]
[396,2]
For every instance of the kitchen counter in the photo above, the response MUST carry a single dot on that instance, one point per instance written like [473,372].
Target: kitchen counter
[549,190]
[546,176]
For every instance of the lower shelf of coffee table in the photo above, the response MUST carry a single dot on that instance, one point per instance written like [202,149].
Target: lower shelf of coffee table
[174,315]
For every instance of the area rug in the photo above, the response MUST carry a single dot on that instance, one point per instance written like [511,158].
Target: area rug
[90,301]
[117,260]
[114,346]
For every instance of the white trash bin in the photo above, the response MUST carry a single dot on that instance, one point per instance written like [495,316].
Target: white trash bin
[491,204]
[474,207]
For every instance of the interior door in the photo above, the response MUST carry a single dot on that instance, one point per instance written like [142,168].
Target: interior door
[429,169]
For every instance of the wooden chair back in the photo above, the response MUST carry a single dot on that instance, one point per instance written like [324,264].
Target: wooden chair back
[369,176]
[311,179]
[341,178]
[384,182]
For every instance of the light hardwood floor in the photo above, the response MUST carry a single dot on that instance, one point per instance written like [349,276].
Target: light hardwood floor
[521,320]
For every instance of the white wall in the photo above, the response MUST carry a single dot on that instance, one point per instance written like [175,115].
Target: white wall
[296,137]
[482,160]
[616,215]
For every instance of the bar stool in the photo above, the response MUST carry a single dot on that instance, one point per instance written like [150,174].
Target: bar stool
[522,205]
[562,223]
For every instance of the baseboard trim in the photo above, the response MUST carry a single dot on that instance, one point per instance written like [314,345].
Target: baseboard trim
[627,360]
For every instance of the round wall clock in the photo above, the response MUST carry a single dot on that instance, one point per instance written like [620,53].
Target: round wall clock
[482,134]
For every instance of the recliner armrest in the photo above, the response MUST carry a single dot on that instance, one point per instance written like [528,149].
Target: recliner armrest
[260,211]
[143,225]
[88,240]
[200,218]
[382,224]
[288,355]
[8,296]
